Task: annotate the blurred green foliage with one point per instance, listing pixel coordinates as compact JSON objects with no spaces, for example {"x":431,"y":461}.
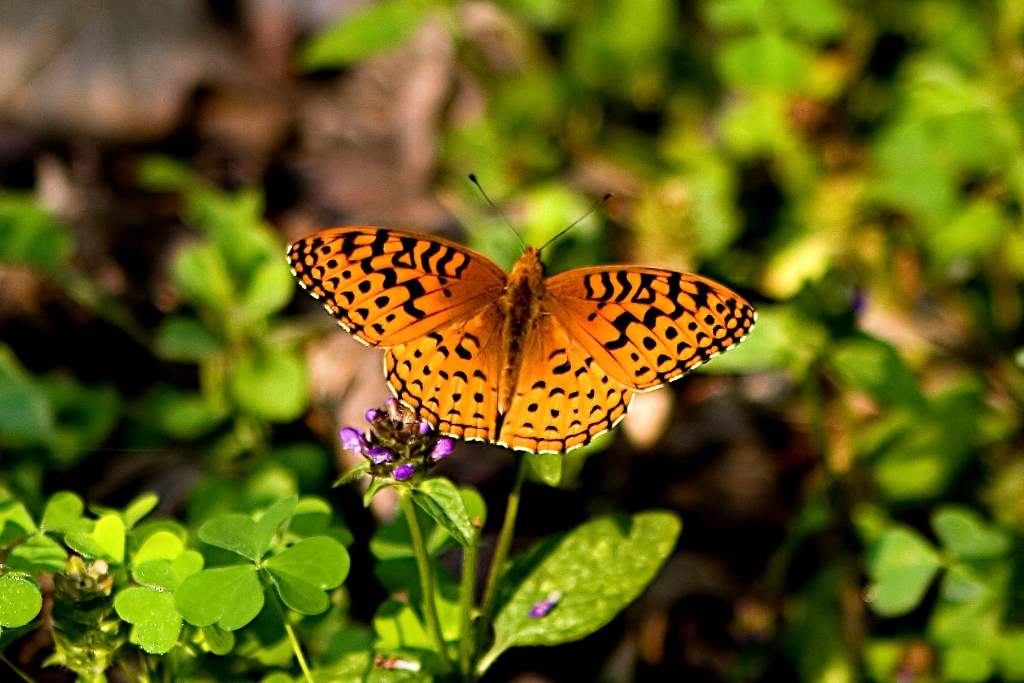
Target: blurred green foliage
{"x":855,"y":169}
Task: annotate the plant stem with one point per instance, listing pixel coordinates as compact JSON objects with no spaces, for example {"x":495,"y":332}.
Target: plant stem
{"x":21,"y":674}
{"x":501,"y":554}
{"x":298,"y":651}
{"x":426,"y":577}
{"x":467,"y":591}
{"x":296,"y":646}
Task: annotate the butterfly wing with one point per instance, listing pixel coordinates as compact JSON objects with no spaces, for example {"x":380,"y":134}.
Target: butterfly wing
{"x":450,"y":375}
{"x":563,"y":398}
{"x":389,"y":287}
{"x":645,"y":326}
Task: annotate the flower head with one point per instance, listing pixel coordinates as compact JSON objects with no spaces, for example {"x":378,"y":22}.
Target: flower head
{"x":398,"y":444}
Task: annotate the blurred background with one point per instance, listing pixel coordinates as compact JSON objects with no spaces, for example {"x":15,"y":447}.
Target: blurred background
{"x":851,"y":478}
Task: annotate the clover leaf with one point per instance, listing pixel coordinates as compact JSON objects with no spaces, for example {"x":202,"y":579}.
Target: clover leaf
{"x":20,"y":600}
{"x":901,"y":565}
{"x":229,"y":597}
{"x":241,"y":534}
{"x":304,"y":571}
{"x":105,"y":540}
{"x":966,"y":536}
{"x":155,"y":622}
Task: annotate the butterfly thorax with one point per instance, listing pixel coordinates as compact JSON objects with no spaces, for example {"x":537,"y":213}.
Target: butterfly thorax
{"x":521,"y":304}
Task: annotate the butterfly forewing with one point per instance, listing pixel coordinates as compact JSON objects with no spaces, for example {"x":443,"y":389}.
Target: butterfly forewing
{"x":450,"y":375}
{"x":563,"y":398}
{"x":389,"y":287}
{"x":644,"y":326}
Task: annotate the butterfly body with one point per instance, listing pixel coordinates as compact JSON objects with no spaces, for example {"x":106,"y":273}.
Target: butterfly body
{"x":528,"y":362}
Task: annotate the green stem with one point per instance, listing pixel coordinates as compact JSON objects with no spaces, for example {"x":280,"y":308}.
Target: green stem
{"x":501,"y":553}
{"x":426,"y":577}
{"x":298,"y":651}
{"x":21,"y":674}
{"x":467,"y":591}
{"x":296,"y":647}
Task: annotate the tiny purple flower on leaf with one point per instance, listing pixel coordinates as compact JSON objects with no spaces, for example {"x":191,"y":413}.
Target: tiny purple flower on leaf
{"x":371,"y":414}
{"x":379,"y":454}
{"x":403,"y":472}
{"x":442,"y":449}
{"x":544,"y":607}
{"x":424,"y":427}
{"x":352,"y":440}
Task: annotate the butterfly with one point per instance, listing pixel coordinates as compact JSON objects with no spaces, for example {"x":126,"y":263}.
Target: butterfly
{"x":530,"y":363}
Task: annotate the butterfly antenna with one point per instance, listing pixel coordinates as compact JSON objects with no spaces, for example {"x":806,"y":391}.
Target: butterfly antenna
{"x":494,"y":207}
{"x":572,"y":225}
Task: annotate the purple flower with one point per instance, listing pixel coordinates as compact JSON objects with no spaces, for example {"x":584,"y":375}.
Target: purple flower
{"x":544,"y":607}
{"x":352,"y":440}
{"x":442,"y":449}
{"x":379,"y":454}
{"x":371,"y":414}
{"x":424,"y":427}
{"x":403,"y":472}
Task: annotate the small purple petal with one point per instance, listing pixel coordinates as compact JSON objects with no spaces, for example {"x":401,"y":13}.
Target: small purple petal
{"x":541,"y":609}
{"x":424,"y":427}
{"x":371,"y":414}
{"x":394,"y":408}
{"x":379,"y":454}
{"x":544,"y":607}
{"x":442,"y":449}
{"x":351,"y":439}
{"x":403,"y":472}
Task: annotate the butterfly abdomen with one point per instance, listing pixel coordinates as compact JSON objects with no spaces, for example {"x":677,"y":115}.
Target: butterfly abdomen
{"x":521,"y":305}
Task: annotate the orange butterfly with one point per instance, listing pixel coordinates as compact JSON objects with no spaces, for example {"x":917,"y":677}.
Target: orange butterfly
{"x":535,"y":364}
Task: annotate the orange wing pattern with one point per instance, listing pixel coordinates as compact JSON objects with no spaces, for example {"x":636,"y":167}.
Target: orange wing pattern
{"x":450,"y":376}
{"x":389,"y":287}
{"x":563,"y":398}
{"x":644,"y":326}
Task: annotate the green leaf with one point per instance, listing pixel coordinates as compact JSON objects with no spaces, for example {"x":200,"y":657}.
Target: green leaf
{"x":305,"y":570}
{"x":439,"y":498}
{"x":14,"y":512}
{"x":156,"y":624}
{"x":217,"y":640}
{"x":168,"y":573}
{"x":37,"y":554}
{"x":162,"y":545}
{"x":63,"y":513}
{"x":229,"y":597}
{"x":962,"y":584}
{"x":312,"y":517}
{"x":186,"y":340}
{"x":269,"y":290}
{"x":966,"y":536}
{"x":353,"y":473}
{"x":765,"y":61}
{"x":26,"y":415}
{"x":20,"y":600}
{"x":240,"y":534}
{"x":202,"y":276}
{"x":902,"y":565}
{"x":966,"y":665}
{"x":598,"y":569}
{"x":377,"y":28}
{"x":271,"y":383}
{"x":185,"y":415}
{"x":876,"y":367}
{"x":393,"y":542}
{"x":139,"y":508}
{"x":29,"y":235}
{"x":105,"y":540}
{"x":545,"y":467}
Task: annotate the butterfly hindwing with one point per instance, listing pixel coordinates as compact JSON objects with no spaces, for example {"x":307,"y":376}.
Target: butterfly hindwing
{"x":563,"y":398}
{"x":389,"y":287}
{"x":450,"y":375}
{"x":645,"y":326}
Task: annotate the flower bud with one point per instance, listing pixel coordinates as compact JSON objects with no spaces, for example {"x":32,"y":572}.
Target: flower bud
{"x":442,"y":448}
{"x":403,"y":472}
{"x":352,"y":440}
